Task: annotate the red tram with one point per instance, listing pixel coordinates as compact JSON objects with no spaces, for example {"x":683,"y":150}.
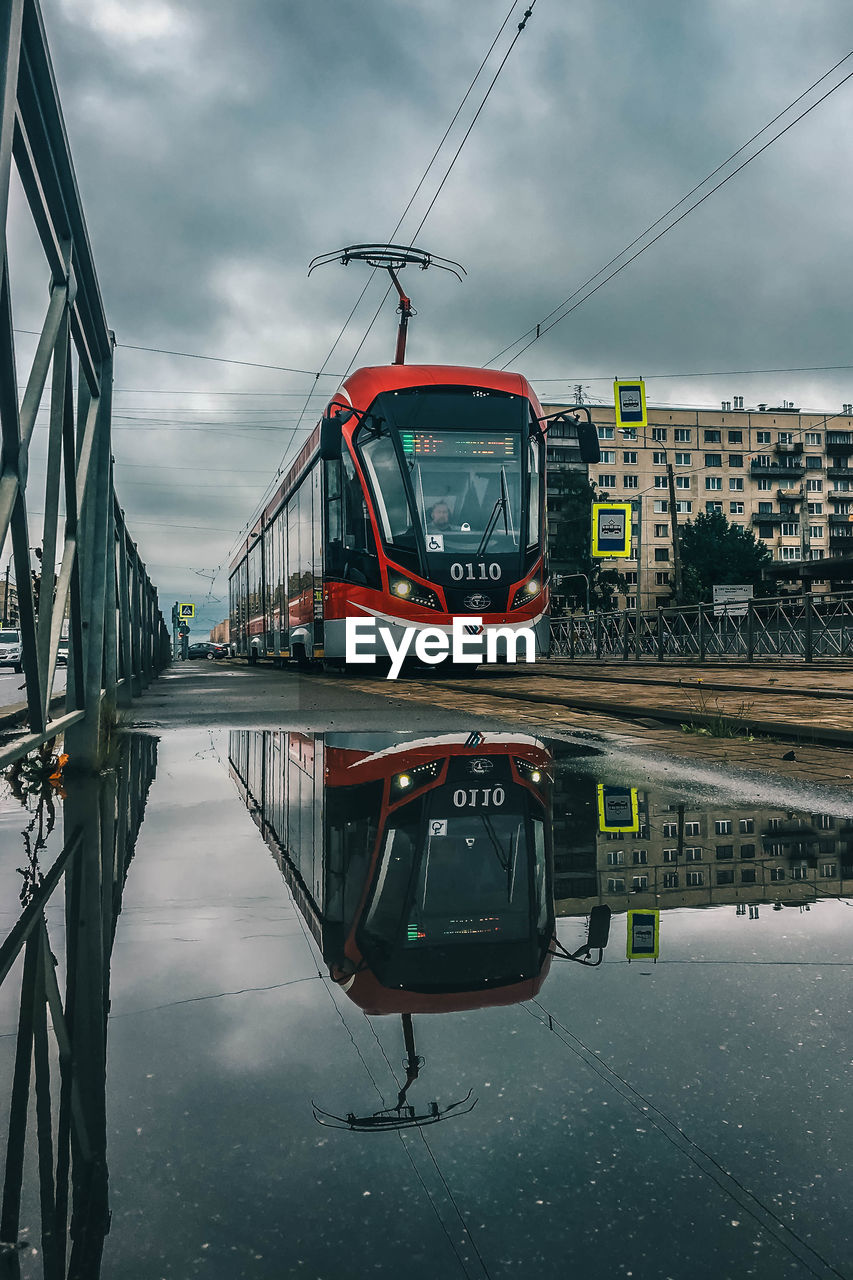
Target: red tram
{"x":419,"y":498}
{"x":422,"y":867}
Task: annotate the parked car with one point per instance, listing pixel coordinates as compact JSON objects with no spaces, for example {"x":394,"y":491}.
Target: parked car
{"x":207,"y":649}
{"x":10,"y":649}
{"x":62,"y":654}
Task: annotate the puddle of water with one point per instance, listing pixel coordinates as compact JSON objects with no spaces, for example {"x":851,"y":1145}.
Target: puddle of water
{"x":460,"y":1003}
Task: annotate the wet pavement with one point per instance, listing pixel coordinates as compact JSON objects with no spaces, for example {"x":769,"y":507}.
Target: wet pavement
{"x":345,"y":979}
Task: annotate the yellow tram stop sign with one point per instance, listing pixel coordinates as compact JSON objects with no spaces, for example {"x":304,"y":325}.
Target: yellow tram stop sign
{"x":611,"y":530}
{"x":618,"y":808}
{"x":629,"y":400}
{"x":643,"y":935}
{"x":186,"y":611}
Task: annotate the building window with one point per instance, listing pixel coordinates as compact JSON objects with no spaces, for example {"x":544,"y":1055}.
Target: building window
{"x":713,"y":459}
{"x":605,"y":433}
{"x":607,"y":482}
{"x":630,"y":482}
{"x":608,"y":457}
{"x":735,"y":459}
{"x":682,"y":435}
{"x":784,"y":437}
{"x":814,"y":437}
{"x":661,"y":482}
{"x":711,"y":507}
{"x":670,"y":855}
{"x":799,"y":873}
{"x":630,"y":578}
{"x":661,"y":530}
{"x":615,"y":858}
{"x":765,"y":508}
{"x":630,"y":602}
{"x":615,"y":885}
{"x":735,"y":437}
{"x":638,"y":883}
{"x":691,"y":828}
{"x":815,"y":530}
{"x":827,"y":870}
{"x":762,"y":437}
{"x":814,"y":486}
{"x":736,"y":508}
{"x":813,"y":462}
{"x":629,"y":433}
{"x":661,"y":506}
{"x":747,"y":875}
{"x":790,"y":528}
{"x":641,"y":857}
{"x":629,"y":457}
{"x":724,"y":852}
{"x":659,"y":434}
{"x":777,"y":874}
{"x":658,"y":458}
{"x":789,"y":553}
{"x":725,"y":875}
{"x":826,"y":822}
{"x":670,"y":829}
{"x":695,"y":878}
{"x":713,"y":482}
{"x":682,"y":482}
{"x":746,"y":825}
{"x":713,"y":436}
{"x":736,"y":484}
{"x":683,"y":459}
{"x":662,"y":555}
{"x":747,"y":851}
{"x":765,"y":485}
{"x":670,"y":879}
{"x":692,"y":854}
{"x":816,"y":508}
{"x":661,"y":579}
{"x":723,"y":827}
{"x":763,"y":460}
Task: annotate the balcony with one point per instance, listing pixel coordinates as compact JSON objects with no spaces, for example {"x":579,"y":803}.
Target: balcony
{"x":790,"y":470}
{"x":839,"y":473}
{"x":844,"y":447}
{"x":843,"y":519}
{"x":840,"y":495}
{"x":790,"y":494}
{"x":788,"y":449}
{"x":768,"y":517}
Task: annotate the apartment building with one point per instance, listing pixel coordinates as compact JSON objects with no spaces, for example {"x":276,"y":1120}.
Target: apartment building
{"x":785,"y":474}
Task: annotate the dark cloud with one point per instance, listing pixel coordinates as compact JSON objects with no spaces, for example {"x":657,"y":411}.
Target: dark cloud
{"x":219,"y":146}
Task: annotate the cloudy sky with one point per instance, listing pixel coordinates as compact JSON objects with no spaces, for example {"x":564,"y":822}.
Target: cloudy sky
{"x":221,"y":144}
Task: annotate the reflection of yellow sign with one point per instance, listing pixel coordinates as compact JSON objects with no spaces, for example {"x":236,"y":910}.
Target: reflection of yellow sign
{"x":611,"y":529}
{"x":629,"y":399}
{"x":643,"y":935}
{"x":186,"y":610}
{"x":618,"y":808}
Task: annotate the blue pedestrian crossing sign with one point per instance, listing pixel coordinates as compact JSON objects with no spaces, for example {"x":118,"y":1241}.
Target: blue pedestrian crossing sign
{"x":611,"y":530}
{"x":186,"y":611}
{"x":629,"y":399}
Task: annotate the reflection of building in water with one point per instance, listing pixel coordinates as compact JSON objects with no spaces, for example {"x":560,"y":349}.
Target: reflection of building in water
{"x":687,"y":856}
{"x":421,"y":867}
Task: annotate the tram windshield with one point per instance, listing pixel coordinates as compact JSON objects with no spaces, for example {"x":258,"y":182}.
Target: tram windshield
{"x":458,"y":902}
{"x":463,"y":451}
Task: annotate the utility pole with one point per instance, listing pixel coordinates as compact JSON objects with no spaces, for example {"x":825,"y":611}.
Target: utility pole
{"x":638,"y":506}
{"x":673,"y":525}
{"x":175,"y":629}
{"x":6,"y":594}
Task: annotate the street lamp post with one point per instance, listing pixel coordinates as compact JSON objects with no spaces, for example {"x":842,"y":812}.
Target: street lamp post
{"x":563,"y":576}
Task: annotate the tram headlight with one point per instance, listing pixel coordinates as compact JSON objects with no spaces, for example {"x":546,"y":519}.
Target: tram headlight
{"x":412,"y":592}
{"x":525,"y":594}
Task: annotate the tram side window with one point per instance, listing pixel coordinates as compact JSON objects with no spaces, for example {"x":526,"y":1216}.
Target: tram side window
{"x":534,"y":454}
{"x":255,"y":581}
{"x":389,"y":491}
{"x":360,"y":562}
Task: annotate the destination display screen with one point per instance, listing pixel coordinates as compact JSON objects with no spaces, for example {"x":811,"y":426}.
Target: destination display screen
{"x":450,"y":444}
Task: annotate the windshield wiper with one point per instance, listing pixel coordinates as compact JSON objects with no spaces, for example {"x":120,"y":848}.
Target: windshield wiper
{"x":501,"y":505}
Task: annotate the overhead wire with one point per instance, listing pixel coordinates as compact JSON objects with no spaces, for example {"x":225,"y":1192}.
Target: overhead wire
{"x":542,"y":327}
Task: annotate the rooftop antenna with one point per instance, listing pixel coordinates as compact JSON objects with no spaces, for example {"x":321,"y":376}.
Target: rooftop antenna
{"x":391,"y":258}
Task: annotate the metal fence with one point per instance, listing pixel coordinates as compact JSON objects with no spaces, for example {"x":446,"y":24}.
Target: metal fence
{"x":59,"y":1076}
{"x":805,"y":627}
{"x":116,"y":636}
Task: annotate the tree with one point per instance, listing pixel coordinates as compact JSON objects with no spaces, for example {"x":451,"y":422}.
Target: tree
{"x":714,"y":553}
{"x":571,"y":547}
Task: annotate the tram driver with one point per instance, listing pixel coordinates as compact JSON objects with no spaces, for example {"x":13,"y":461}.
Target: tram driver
{"x":438,"y":518}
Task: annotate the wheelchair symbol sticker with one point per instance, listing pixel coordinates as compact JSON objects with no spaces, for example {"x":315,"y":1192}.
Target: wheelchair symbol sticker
{"x":438,"y":827}
{"x":435,"y":542}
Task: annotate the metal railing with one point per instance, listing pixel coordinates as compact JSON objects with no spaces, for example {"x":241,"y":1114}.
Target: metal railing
{"x":117,"y":640}
{"x":61,"y":1039}
{"x":805,"y":627}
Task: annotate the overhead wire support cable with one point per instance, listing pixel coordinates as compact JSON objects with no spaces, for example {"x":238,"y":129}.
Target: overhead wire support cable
{"x":540,"y":329}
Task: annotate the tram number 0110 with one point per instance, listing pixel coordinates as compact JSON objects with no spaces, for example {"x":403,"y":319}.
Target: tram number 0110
{"x":479,"y":797}
{"x":475,"y":572}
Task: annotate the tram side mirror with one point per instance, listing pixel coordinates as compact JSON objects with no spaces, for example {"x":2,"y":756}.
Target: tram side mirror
{"x":330,"y":437}
{"x":588,"y":443}
{"x":599,"y":928}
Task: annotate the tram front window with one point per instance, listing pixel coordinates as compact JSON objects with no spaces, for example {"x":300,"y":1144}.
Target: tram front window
{"x":453,"y":902}
{"x":462,"y":451}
